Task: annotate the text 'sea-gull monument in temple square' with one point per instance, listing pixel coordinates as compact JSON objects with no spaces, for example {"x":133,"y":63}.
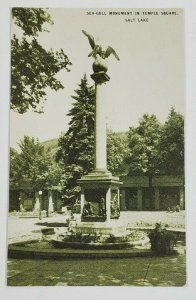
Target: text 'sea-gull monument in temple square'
{"x":99,"y":189}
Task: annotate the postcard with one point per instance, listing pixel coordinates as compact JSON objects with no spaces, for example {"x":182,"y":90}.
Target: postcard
{"x":97,"y":188}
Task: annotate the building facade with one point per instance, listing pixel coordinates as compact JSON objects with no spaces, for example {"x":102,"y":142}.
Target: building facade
{"x":166,"y":193}
{"x":26,"y":199}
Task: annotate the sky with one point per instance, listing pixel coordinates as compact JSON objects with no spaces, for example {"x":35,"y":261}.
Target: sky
{"x":149,"y":78}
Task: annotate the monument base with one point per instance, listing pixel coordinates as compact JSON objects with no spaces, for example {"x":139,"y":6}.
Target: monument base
{"x":99,"y":197}
{"x":111,"y":227}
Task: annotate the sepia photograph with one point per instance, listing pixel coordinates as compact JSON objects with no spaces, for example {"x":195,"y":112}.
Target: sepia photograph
{"x":96,"y":147}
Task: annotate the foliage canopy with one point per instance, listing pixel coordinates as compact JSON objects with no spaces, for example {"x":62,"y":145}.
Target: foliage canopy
{"x":76,"y":146}
{"x":171,"y":145}
{"x":34,"y":167}
{"x":33,"y":68}
{"x":143,"y":146}
{"x":156,"y":148}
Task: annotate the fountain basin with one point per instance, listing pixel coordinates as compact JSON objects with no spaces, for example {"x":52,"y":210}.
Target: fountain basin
{"x":98,"y":245}
{"x":60,"y":243}
{"x":42,"y":250}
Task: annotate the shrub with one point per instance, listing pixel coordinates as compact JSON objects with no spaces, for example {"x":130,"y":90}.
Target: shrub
{"x":161,"y":240}
{"x":111,"y":239}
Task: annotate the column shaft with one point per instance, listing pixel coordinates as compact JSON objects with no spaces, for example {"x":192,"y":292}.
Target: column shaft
{"x":108,"y":204}
{"x":82,"y":200}
{"x":182,"y":202}
{"x":157,"y":202}
{"x":139,"y":199}
{"x":100,"y":132}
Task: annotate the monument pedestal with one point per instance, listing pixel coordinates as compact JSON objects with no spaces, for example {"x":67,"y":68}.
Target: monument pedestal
{"x":100,"y":205}
{"x":111,"y":227}
{"x":99,"y":197}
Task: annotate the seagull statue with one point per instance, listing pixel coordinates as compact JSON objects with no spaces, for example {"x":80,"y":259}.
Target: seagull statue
{"x":98,"y":50}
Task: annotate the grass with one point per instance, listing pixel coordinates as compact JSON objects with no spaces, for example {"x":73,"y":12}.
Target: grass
{"x":148,"y":219}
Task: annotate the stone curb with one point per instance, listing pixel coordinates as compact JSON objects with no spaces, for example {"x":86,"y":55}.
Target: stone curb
{"x":17,"y":250}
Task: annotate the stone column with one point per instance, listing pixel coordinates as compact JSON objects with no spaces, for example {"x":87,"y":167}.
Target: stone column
{"x":50,"y":203}
{"x":21,"y":196}
{"x":37,"y":203}
{"x":108,"y":203}
{"x":100,"y":123}
{"x":118,"y":191}
{"x":181,"y":190}
{"x":82,"y":200}
{"x":100,"y":132}
{"x":157,"y":202}
{"x":139,"y":198}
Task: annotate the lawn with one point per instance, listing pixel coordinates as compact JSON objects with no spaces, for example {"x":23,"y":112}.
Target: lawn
{"x":146,"y":218}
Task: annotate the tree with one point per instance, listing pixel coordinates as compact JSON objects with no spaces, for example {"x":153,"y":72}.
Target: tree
{"x":76,"y":146}
{"x":14,"y":168}
{"x":143,"y":147}
{"x":116,"y":151}
{"x":33,"y":166}
{"x":33,"y":68}
{"x":171,"y":145}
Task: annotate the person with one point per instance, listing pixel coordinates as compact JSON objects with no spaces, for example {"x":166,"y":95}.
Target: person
{"x":71,"y":222}
{"x":22,"y":208}
{"x":87,"y":210}
{"x":102,"y":206}
{"x":40,"y":214}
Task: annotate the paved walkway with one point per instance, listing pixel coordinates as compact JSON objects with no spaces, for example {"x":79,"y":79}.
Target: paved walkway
{"x":24,"y":228}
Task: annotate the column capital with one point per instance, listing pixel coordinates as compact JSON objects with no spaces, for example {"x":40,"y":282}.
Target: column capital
{"x":100,"y":77}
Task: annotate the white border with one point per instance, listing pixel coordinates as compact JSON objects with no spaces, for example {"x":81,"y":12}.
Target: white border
{"x":187,"y":292}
